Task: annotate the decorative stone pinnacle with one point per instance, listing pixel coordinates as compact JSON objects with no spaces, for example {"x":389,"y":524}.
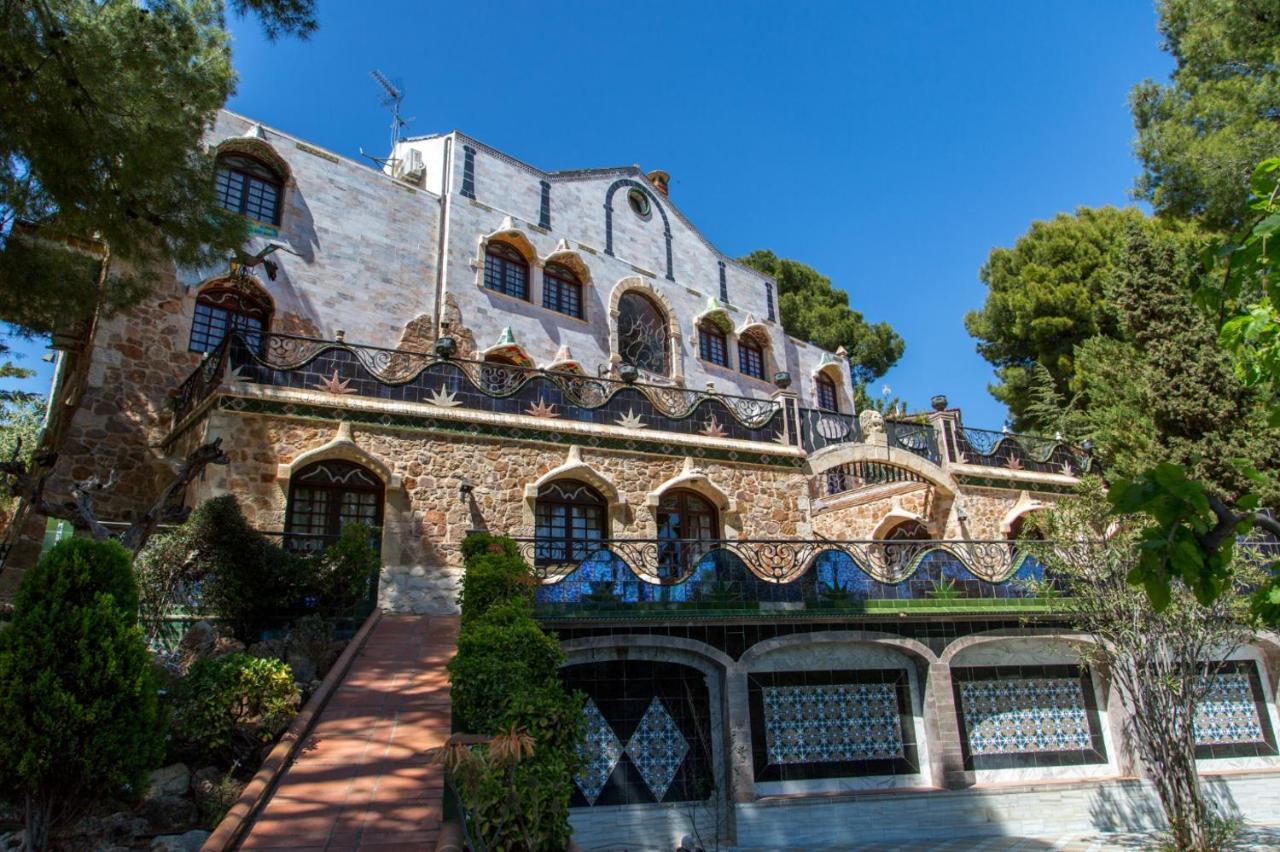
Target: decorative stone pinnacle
{"x":507,"y":338}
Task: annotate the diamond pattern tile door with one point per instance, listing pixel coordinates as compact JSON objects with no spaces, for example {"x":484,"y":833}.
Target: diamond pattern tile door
{"x":598,"y":752}
{"x":657,"y":748}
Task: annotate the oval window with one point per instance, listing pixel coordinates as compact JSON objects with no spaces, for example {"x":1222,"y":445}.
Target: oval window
{"x":639,"y":203}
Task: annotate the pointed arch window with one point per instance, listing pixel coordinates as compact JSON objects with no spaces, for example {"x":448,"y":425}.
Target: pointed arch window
{"x":826,"y":390}
{"x":221,"y":310}
{"x":561,"y":290}
{"x":505,"y":270}
{"x":643,"y":341}
{"x":568,"y":516}
{"x":249,"y":187}
{"x":751,"y":348}
{"x":325,"y":496}
{"x":713,"y":345}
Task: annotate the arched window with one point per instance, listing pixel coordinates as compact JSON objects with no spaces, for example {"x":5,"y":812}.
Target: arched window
{"x":324,"y":496}
{"x":249,"y":187}
{"x":685,"y":518}
{"x":908,"y":530}
{"x":223,"y":309}
{"x":751,"y":347}
{"x":712,"y":344}
{"x":506,"y":270}
{"x":1024,"y":527}
{"x":561,"y":290}
{"x":642,"y":334}
{"x":827,"y":399}
{"x":568,"y":515}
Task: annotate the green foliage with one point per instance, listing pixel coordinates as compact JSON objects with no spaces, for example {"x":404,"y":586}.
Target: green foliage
{"x":1200,"y":134}
{"x":476,"y":544}
{"x":492,"y":578}
{"x":1048,"y":294}
{"x":77,"y":693}
{"x":230,"y":707}
{"x":812,"y":309}
{"x":105,"y":105}
{"x":505,"y":684}
{"x":246,"y":579}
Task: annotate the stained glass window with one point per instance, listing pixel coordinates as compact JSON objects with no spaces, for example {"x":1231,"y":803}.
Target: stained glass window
{"x":642,"y":334}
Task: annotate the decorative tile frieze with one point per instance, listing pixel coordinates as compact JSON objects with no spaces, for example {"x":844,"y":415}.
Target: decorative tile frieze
{"x":1027,"y":716}
{"x":657,"y":748}
{"x":831,"y":724}
{"x":1232,"y":720}
{"x":598,"y":753}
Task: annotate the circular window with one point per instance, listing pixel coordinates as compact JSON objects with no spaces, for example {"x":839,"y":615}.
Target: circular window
{"x":639,"y":203}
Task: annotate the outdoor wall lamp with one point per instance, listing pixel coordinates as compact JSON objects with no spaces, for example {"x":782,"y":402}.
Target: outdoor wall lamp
{"x":464,"y":489}
{"x":961,"y":515}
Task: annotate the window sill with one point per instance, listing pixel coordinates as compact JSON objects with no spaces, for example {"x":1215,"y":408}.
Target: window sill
{"x":530,"y":304}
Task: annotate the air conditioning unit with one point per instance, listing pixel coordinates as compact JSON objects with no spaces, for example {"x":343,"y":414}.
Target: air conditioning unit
{"x":411,"y":168}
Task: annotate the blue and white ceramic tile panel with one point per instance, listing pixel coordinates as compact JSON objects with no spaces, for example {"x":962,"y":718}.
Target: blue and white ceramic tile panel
{"x":647,"y":733}
{"x":840,"y":722}
{"x":1015,"y":717}
{"x":598,"y":754}
{"x":657,"y":748}
{"x":1024,"y":715}
{"x":1233,"y":721}
{"x":831,"y":724}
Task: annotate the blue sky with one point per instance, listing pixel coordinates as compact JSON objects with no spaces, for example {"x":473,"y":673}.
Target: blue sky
{"x":890,"y":146}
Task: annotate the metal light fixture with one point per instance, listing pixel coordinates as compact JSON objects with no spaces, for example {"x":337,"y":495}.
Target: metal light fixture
{"x":464,"y":489}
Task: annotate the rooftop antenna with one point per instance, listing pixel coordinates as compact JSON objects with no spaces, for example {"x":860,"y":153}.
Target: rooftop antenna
{"x":394,"y":95}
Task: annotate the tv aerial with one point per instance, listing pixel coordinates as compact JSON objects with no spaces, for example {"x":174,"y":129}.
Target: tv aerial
{"x":393,"y":96}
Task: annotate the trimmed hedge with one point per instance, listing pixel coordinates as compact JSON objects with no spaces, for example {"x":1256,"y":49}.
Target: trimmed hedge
{"x":504,"y":678}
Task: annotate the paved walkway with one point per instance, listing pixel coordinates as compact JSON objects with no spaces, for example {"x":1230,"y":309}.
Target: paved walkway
{"x":1252,"y":838}
{"x":362,"y":780}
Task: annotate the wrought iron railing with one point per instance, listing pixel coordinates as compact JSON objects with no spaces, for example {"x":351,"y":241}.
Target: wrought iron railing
{"x":819,"y":429}
{"x":864,"y":474}
{"x":989,"y":448}
{"x":748,"y":573}
{"x":342,"y":368}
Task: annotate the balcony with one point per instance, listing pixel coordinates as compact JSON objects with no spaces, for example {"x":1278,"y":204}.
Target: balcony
{"x":663,"y":577}
{"x":534,"y":403}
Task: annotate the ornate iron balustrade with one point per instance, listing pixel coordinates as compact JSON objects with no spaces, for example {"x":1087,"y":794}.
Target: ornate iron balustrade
{"x":746,"y":573}
{"x":341,"y":369}
{"x":202,"y":382}
{"x":989,"y":448}
{"x":864,"y":474}
{"x":819,"y":429}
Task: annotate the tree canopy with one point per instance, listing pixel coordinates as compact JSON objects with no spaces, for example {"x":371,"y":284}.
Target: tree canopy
{"x":1200,"y":134}
{"x":812,"y":309}
{"x":105,"y":105}
{"x":1047,"y":295}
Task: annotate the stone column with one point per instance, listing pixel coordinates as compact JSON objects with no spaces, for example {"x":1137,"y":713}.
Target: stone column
{"x":942,"y":730}
{"x":741,"y":772}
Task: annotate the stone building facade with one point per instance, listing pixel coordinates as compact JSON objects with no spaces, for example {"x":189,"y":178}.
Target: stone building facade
{"x":772,"y":602}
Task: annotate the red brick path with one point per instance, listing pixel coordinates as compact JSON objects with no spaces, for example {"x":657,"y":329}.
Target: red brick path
{"x":361,"y":779}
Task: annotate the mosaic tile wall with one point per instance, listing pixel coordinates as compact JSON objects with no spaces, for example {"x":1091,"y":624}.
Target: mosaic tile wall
{"x":1016,"y":717}
{"x":647,"y":733}
{"x":831,"y":724}
{"x":1232,"y":721}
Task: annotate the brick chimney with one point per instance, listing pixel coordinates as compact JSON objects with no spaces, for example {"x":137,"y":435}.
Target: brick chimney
{"x":659,"y":179}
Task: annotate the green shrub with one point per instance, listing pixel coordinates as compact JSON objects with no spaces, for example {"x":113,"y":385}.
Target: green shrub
{"x":77,"y":693}
{"x":501,"y":653}
{"x":247,"y":580}
{"x":229,"y":707}
{"x":505,"y":682}
{"x":346,"y":568}
{"x":477,"y":544}
{"x":491,"y":579}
